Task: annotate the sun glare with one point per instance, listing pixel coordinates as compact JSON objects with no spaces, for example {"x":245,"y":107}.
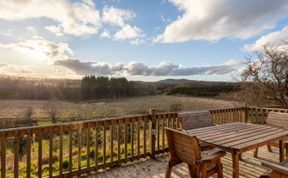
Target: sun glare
{"x":34,"y":54}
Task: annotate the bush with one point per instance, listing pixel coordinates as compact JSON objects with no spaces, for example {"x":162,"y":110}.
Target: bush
{"x":65,"y":164}
{"x":176,"y":107}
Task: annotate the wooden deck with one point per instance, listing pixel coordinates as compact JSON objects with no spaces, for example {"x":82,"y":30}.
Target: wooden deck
{"x":249,"y":167}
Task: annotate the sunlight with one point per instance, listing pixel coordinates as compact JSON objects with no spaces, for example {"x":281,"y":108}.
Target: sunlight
{"x":35,"y":54}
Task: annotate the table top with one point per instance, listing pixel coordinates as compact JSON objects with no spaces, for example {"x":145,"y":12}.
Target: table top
{"x":238,"y":136}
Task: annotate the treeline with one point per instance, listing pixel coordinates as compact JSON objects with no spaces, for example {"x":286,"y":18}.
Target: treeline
{"x":32,"y":89}
{"x":197,"y":88}
{"x":103,"y":87}
{"x":90,"y":87}
{"x":201,"y":91}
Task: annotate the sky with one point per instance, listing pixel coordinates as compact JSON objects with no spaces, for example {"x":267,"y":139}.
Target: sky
{"x":142,"y":40}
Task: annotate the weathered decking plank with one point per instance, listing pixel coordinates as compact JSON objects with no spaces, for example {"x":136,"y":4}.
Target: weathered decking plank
{"x":250,"y":167}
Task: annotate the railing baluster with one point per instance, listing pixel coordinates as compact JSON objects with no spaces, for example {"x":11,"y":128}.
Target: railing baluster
{"x":28,"y":159}
{"x":162,"y":132}
{"x":16,"y":155}
{"x":144,"y":135}
{"x":158,"y":133}
{"x":132,"y":137}
{"x":125,"y":140}
{"x":40,"y":138}
{"x":79,"y":145}
{"x":138,"y":137}
{"x":104,"y":145}
{"x":3,"y":155}
{"x":111,"y":143}
{"x":118,"y":141}
{"x":96,"y":145}
{"x":70,"y":150}
{"x":88,"y":147}
{"x":51,"y":152}
{"x":61,"y":151}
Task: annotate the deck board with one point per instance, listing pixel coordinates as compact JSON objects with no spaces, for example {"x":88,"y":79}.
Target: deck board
{"x":250,"y":167}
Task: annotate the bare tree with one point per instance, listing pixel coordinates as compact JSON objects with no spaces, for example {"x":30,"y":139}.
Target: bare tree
{"x":51,"y":108}
{"x":266,"y":78}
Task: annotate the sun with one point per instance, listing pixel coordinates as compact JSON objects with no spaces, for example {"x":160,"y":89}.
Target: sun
{"x":35,"y":54}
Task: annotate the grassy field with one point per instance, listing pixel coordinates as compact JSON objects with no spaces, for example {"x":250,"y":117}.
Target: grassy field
{"x":111,"y":108}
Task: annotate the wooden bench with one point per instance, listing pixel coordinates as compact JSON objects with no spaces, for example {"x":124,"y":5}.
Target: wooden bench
{"x":185,"y":148}
{"x":275,"y":119}
{"x":195,"y":120}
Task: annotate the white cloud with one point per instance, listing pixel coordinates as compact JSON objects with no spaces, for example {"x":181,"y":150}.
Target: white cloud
{"x":137,"y":41}
{"x":106,"y":34}
{"x":212,"y":20}
{"x":128,"y":32}
{"x":38,"y":48}
{"x":278,"y":38}
{"x":116,"y":16}
{"x":79,"y":18}
{"x":55,"y":29}
{"x":140,"y":69}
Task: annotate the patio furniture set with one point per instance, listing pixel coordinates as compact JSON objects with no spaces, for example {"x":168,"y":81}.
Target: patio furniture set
{"x":198,"y":135}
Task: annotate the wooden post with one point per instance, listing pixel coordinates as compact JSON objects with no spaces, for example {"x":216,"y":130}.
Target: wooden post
{"x":246,"y":113}
{"x":152,"y":128}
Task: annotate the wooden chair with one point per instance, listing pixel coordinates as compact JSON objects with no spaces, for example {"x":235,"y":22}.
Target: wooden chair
{"x":185,"y":148}
{"x":278,"y":170}
{"x":194,"y":120}
{"x":275,"y":119}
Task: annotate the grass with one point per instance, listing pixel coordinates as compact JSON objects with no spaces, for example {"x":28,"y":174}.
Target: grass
{"x":110,"y":108}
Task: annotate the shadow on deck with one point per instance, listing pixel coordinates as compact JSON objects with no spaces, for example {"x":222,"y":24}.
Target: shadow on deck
{"x":249,"y":167}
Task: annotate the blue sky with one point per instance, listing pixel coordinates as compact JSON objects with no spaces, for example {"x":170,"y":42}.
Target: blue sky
{"x":141,"y":40}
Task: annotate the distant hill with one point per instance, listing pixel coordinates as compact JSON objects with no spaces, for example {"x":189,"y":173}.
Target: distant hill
{"x":174,"y":81}
{"x":195,"y":88}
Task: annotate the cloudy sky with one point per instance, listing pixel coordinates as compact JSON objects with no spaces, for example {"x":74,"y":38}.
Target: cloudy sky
{"x":139,"y":39}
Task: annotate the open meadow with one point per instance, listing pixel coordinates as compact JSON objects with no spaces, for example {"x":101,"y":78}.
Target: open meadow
{"x":40,"y":109}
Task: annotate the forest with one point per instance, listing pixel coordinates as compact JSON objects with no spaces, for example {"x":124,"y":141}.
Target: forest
{"x":102,"y":87}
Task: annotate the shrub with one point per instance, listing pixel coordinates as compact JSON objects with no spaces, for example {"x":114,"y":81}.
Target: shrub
{"x":176,"y":107}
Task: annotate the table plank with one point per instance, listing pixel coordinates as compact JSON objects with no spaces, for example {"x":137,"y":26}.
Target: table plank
{"x":252,"y":137}
{"x":231,"y":137}
{"x":238,"y":132}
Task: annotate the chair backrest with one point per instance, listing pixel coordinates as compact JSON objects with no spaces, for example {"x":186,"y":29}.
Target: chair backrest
{"x":183,"y":147}
{"x":277,"y":119}
{"x":194,"y":120}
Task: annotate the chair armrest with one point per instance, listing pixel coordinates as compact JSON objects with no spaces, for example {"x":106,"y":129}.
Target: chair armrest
{"x":275,"y":167}
{"x":215,"y":156}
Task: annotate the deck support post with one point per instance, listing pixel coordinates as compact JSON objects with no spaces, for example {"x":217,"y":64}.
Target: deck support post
{"x":152,"y":128}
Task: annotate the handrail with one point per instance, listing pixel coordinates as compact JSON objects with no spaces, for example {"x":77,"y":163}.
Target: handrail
{"x":79,"y":147}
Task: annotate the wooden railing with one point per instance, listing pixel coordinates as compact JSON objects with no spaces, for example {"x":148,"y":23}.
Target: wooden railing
{"x":258,"y":115}
{"x":228,"y":115}
{"x":79,"y":148}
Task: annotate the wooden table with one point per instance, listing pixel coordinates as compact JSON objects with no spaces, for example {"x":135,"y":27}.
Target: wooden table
{"x":237,"y":138}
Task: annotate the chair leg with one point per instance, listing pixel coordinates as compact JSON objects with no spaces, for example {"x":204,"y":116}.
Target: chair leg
{"x":204,"y":169}
{"x":168,"y":171}
{"x":219,"y":170}
{"x":269,"y":148}
{"x":192,"y":171}
{"x":256,"y":153}
{"x":286,"y":150}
